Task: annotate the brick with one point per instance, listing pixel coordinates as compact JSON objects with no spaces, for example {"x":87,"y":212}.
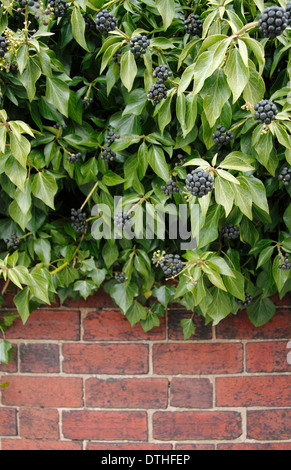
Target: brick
{"x":255,"y":446}
{"x":267,"y":356}
{"x":127,"y":446}
{"x":113,"y":326}
{"x":30,"y":444}
{"x":127,"y":393}
{"x":175,"y":331}
{"x":42,"y":358}
{"x":253,"y":391}
{"x":269,"y":424}
{"x":194,"y":447}
{"x":105,"y":425}
{"x":240,"y":327}
{"x":47,"y":324}
{"x":203,"y":358}
{"x":39,"y":423}
{"x":98,"y":300}
{"x":8,"y":425}
{"x":109,"y":358}
{"x":51,"y":392}
{"x":198,"y":425}
{"x":191,"y":393}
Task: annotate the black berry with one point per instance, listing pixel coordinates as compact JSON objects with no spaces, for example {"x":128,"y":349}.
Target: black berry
{"x":162,"y":73}
{"x":286,"y":262}
{"x":74,"y":158}
{"x":157,"y":92}
{"x":3,"y":46}
{"x":288,"y":14}
{"x":89,"y":23}
{"x":222,"y":137}
{"x":105,"y":21}
{"x":122,"y":219}
{"x":112,"y":137}
{"x":265,"y":111}
{"x":120,"y":277}
{"x":246,"y":302}
{"x":139,"y":44}
{"x":199,"y":182}
{"x":108,"y":155}
{"x":193,"y":25}
{"x":78,"y":220}
{"x":273,"y":21}
{"x":13,"y":242}
{"x":171,"y":265}
{"x":230,"y":231}
{"x":285,"y":176}
{"x":87,"y":101}
{"x":58,"y":7}
{"x":182,"y":159}
{"x":170,"y":188}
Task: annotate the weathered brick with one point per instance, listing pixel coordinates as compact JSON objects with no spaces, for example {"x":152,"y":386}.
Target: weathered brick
{"x":271,"y":390}
{"x":109,"y":358}
{"x":47,"y":324}
{"x":127,"y":446}
{"x":191,"y":393}
{"x":127,"y":393}
{"x":38,"y":444}
{"x":42,"y":358}
{"x":240,"y":327}
{"x":203,"y":358}
{"x":113,"y":326}
{"x":51,"y":392}
{"x":269,"y":424}
{"x":198,"y":425}
{"x":255,"y":446}
{"x":175,"y":331}
{"x":267,"y":356}
{"x":98,"y":300}
{"x":194,"y":447}
{"x":105,"y":425}
{"x":39,"y":423}
{"x":8,"y":425}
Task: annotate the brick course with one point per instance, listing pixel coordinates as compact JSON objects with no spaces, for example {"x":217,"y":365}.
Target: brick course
{"x":82,"y":378}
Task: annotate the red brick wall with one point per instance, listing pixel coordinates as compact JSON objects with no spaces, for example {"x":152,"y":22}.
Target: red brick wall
{"x":83,"y":378}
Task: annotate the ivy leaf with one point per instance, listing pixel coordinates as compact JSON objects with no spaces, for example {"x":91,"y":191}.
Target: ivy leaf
{"x":261,"y":310}
{"x":164,"y":294}
{"x":136,"y":313}
{"x":237,"y":73}
{"x":85,"y":288}
{"x":128,"y":69}
{"x":78,"y":27}
{"x":58,"y":94}
{"x":123,"y":295}
{"x":167,"y":11}
{"x":44,"y":187}
{"x":157,"y":161}
{"x":21,"y":301}
{"x":187,"y":327}
{"x":5,"y":351}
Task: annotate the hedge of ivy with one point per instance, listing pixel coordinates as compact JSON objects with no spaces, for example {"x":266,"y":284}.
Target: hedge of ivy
{"x":89,"y":116}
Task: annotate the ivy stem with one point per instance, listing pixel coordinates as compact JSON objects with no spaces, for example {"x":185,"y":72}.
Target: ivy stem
{"x":89,"y":195}
{"x":5,"y":287}
{"x":60,"y":268}
{"x":123,"y":34}
{"x":247,"y":27}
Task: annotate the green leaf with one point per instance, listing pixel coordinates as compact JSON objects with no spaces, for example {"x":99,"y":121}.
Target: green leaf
{"x":237,"y":73}
{"x":218,"y":93}
{"x":265,"y":255}
{"x":167,"y":11}
{"x":164,"y":294}
{"x":78,"y":27}
{"x":85,"y":288}
{"x":21,"y":301}
{"x":187,"y":327}
{"x":136,"y":313}
{"x":157,"y":161}
{"x":280,"y":276}
{"x":58,"y":94}
{"x":20,"y":148}
{"x":128,"y":69}
{"x":123,"y":295}
{"x":5,"y":350}
{"x":224,"y":194}
{"x":261,"y":310}
{"x":44,"y":187}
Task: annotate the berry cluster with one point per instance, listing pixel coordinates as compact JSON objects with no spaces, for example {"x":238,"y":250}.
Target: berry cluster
{"x":246,"y":302}
{"x":286,"y":262}
{"x":171,"y":265}
{"x":157,"y":92}
{"x":139,"y":44}
{"x":273,"y":21}
{"x":199,"y":182}
{"x":112,"y":137}
{"x":116,"y":56}
{"x":193,"y":25}
{"x":288,"y":13}
{"x":170,"y":188}
{"x":222,"y":137}
{"x":162,"y":73}
{"x":182,"y":159}
{"x":230,"y":231}
{"x":87,"y":101}
{"x":13,"y":242}
{"x":265,"y":111}
{"x":58,"y":7}
{"x":89,"y":23}
{"x":3,"y":46}
{"x":120,"y":277}
{"x":79,"y":222}
{"x":105,"y":21}
{"x":122,"y":219}
{"x":285,"y":176}
{"x":107,"y":154}
{"x":74,"y":158}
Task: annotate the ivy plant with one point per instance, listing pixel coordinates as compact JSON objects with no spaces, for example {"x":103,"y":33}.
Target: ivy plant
{"x":145,"y":149}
